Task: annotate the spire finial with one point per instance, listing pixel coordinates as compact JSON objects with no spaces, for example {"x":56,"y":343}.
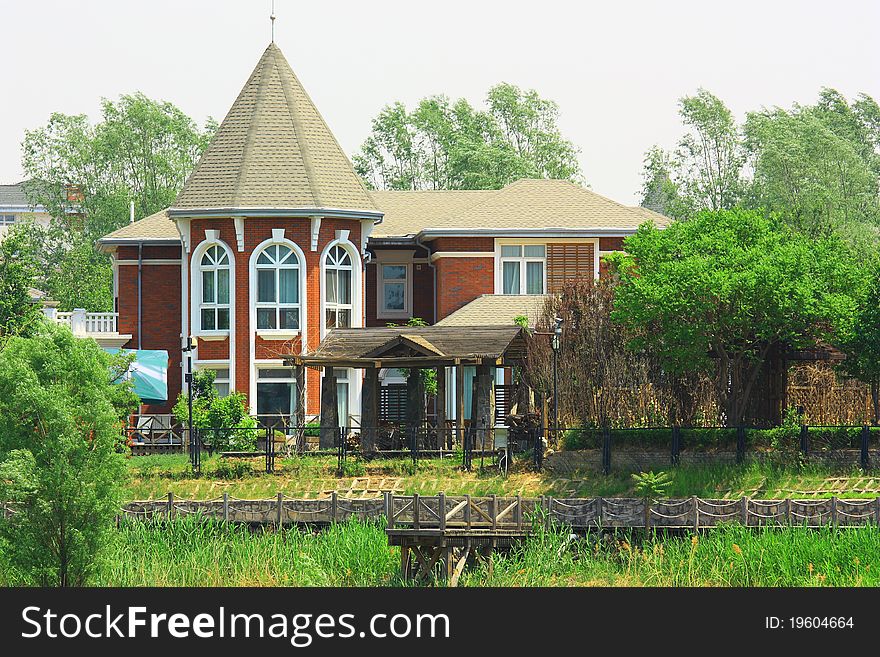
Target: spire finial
{"x":272,"y":21}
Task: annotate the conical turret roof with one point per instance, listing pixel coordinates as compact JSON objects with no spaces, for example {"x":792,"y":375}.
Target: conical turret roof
{"x":274,"y":151}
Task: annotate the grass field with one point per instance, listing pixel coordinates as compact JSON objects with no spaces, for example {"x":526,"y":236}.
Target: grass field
{"x":192,"y":553}
{"x":310,"y":476}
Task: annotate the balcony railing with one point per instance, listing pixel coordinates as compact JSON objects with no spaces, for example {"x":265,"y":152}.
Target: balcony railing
{"x":85,"y":323}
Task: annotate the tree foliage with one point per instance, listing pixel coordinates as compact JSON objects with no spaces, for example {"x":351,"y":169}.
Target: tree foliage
{"x":452,"y":145}
{"x":141,"y":151}
{"x":19,"y":315}
{"x":860,"y":340}
{"x":61,"y":462}
{"x":719,"y":292}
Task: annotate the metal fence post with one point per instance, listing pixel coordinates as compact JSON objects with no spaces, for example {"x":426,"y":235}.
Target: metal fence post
{"x":740,"y":444}
{"x":805,"y":440}
{"x":676,"y":444}
{"x":225,"y":507}
{"x":866,"y":436}
{"x":280,"y":508}
{"x":606,"y":450}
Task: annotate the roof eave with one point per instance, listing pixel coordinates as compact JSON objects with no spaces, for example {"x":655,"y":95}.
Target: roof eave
{"x":214,"y":213}
{"x":432,"y":233}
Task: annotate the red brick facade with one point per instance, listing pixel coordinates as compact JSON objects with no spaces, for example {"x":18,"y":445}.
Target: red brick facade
{"x":461,"y":280}
{"x":160,"y":309}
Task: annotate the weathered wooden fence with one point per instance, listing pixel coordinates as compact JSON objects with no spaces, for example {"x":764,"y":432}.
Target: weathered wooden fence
{"x":474,"y":514}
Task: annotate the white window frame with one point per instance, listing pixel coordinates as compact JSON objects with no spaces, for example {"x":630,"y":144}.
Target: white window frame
{"x":217,"y":365}
{"x":262,"y":365}
{"x":357,"y":288}
{"x":381,"y":311}
{"x":7,"y":219}
{"x":522,"y":260}
{"x":196,"y":290}
{"x":546,"y":242}
{"x":294,"y":262}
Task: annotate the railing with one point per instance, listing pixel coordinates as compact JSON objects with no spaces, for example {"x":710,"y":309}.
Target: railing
{"x":84,"y":323}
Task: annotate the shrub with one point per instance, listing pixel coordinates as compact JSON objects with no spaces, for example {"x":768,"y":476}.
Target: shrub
{"x":231,"y":428}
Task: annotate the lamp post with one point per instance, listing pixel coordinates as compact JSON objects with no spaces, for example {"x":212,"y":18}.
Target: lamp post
{"x":555,"y":344}
{"x":194,"y":455}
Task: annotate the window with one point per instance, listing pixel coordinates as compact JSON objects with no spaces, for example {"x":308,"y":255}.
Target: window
{"x":277,"y":288}
{"x":522,"y":268}
{"x":276,"y":391}
{"x":215,"y":290}
{"x":7,"y":219}
{"x":337,"y":288}
{"x":221,"y":380}
{"x":394,"y":295}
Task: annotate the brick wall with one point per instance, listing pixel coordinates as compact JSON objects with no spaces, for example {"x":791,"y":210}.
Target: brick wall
{"x":257,"y":230}
{"x":461,"y":280}
{"x":463,"y":244}
{"x":160,"y":311}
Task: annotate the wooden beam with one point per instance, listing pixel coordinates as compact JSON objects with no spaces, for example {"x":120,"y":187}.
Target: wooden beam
{"x":329,"y":411}
{"x":369,"y":410}
{"x":459,"y":404}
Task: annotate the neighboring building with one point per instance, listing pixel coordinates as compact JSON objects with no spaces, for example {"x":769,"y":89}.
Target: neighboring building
{"x":15,"y":208}
{"x":274,"y":241}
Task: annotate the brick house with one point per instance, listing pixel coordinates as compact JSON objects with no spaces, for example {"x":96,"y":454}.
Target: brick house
{"x":274,"y":241}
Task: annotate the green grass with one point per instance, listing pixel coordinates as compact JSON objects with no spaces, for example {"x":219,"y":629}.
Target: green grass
{"x":189,"y":552}
{"x":312,"y":476}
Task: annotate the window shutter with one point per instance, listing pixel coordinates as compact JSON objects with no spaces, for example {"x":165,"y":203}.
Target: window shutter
{"x":567,"y":263}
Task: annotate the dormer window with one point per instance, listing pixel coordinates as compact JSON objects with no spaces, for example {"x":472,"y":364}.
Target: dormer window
{"x":522,"y":268}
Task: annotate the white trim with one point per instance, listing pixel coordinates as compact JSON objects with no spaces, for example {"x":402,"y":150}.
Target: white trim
{"x":183,"y":229}
{"x":277,"y":238}
{"x":184,"y":304}
{"x":276,"y":334}
{"x":461,"y":254}
{"x":315,"y":231}
{"x":522,"y":260}
{"x":239,"y":233}
{"x":210,"y":363}
{"x":145,"y":263}
{"x":195,"y":291}
{"x":357,"y":289}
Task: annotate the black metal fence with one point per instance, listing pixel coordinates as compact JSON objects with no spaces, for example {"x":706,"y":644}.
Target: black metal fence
{"x":706,"y":445}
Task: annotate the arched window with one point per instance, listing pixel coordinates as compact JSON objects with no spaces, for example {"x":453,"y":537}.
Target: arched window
{"x":214,"y":307}
{"x":337,"y":288}
{"x":277,"y":288}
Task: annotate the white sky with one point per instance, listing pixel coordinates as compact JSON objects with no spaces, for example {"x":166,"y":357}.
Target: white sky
{"x":615,"y":68}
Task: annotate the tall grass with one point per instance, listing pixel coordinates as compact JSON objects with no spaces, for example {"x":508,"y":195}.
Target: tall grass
{"x":192,"y":552}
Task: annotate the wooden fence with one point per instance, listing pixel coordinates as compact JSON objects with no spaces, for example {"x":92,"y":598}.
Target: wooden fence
{"x":481,"y":514}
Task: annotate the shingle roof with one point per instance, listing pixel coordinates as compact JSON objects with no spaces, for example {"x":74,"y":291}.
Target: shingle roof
{"x":525,"y":205}
{"x":490,"y":341}
{"x":274,"y":150}
{"x":14,"y":196}
{"x":495,"y":309}
{"x":156,"y":227}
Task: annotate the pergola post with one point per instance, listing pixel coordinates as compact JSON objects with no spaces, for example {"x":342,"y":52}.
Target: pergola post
{"x":459,"y":404}
{"x":369,"y":409}
{"x":329,"y":411}
{"x":443,"y":441}
{"x":415,"y":399}
{"x":299,"y":412}
{"x":485,"y":397}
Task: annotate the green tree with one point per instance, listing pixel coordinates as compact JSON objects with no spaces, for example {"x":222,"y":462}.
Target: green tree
{"x":721,"y":292}
{"x":818,"y":166}
{"x":62,"y":466}
{"x":141,"y":151}
{"x":860,"y":341}
{"x":19,"y":315}
{"x":446,"y":145}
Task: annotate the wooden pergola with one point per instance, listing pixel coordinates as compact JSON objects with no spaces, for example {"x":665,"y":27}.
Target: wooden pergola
{"x":412,"y":348}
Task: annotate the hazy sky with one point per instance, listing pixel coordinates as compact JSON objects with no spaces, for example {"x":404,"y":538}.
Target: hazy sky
{"x":616,"y":68}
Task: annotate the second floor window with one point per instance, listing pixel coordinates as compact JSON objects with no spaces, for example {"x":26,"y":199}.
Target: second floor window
{"x":214,"y":307}
{"x":7,"y":219}
{"x":522,"y":268}
{"x":393,"y":284}
{"x":337,"y":288}
{"x":278,"y":288}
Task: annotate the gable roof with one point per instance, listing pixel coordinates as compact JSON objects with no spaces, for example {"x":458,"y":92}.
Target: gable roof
{"x":274,"y":151}
{"x":525,"y":205}
{"x":157,"y":227}
{"x":495,"y":309}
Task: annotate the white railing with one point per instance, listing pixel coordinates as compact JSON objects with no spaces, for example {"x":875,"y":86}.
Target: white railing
{"x":84,"y":323}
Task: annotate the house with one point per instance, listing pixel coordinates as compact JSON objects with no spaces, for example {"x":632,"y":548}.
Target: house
{"x":15,"y":208}
{"x":274,"y":241}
